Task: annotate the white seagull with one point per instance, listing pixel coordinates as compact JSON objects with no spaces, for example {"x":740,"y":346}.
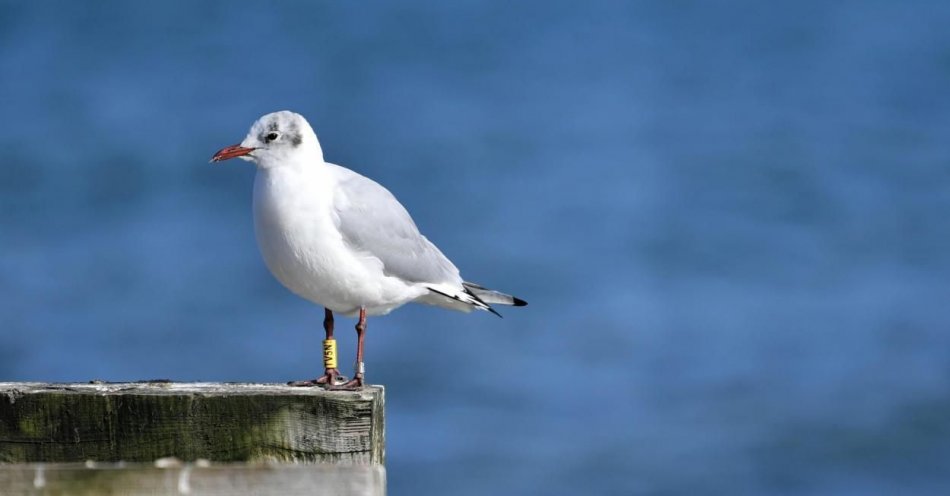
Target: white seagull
{"x":340,"y":239}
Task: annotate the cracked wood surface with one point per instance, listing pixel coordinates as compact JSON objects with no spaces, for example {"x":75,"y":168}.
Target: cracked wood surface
{"x":220,"y":422}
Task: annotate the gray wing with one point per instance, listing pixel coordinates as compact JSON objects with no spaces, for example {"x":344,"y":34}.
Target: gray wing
{"x":373,"y":222}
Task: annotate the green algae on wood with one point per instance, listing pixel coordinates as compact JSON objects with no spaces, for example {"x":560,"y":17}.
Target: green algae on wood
{"x":221,"y":422}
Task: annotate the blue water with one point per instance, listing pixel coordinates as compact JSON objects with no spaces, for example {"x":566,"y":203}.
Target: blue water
{"x":729,"y":219}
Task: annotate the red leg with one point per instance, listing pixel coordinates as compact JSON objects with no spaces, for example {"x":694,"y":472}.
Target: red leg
{"x":330,"y":376}
{"x":357,"y":381}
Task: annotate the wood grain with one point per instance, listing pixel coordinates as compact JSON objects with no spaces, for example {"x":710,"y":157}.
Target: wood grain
{"x":220,"y":422}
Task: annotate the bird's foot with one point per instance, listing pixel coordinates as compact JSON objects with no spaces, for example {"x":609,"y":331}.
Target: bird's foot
{"x":330,"y":379}
{"x":354,"y":384}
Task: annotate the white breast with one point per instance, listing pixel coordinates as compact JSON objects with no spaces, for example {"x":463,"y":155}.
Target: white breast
{"x":295,"y":224}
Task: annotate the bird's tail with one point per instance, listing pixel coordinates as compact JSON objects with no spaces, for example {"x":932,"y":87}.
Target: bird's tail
{"x":471,"y":296}
{"x":490,"y":296}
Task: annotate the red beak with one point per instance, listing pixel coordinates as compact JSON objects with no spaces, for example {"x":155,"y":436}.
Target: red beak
{"x":231,"y":152}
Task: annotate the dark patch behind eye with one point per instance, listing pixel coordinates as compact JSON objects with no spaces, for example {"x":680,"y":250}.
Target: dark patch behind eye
{"x":293,"y":132}
{"x":294,"y":135}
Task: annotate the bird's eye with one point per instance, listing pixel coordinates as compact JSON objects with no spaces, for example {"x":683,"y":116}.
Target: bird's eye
{"x":271,"y":136}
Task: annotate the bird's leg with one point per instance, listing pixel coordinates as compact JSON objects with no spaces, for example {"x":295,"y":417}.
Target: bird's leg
{"x":331,"y":376}
{"x":357,"y":381}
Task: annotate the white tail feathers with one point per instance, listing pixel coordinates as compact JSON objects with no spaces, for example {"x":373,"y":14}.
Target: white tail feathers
{"x":489,"y":296}
{"x":450,"y":297}
{"x":471,"y":296}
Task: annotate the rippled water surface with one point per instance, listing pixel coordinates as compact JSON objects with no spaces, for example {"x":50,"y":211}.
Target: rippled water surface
{"x":729,"y":219}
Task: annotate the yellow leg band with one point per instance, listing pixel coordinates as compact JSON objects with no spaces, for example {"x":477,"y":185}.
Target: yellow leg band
{"x":329,"y":353}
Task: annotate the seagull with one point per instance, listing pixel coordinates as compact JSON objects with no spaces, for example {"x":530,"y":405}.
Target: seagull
{"x":341,"y":240}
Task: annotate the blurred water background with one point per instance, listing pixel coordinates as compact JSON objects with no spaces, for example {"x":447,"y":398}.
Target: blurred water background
{"x":729,"y":219}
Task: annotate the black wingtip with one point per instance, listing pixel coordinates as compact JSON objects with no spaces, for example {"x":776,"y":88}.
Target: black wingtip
{"x":518,"y":302}
{"x":492,"y":310}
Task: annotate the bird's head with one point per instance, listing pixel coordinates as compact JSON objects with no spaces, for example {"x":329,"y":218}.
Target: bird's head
{"x":276,"y":139}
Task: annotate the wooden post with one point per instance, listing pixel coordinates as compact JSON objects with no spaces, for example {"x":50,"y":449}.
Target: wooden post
{"x":142,"y":422}
{"x":283,"y":479}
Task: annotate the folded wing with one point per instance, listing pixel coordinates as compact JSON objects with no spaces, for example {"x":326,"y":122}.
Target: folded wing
{"x":374,"y":223}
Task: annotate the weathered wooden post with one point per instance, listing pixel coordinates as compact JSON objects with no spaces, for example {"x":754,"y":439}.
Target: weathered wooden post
{"x":193,"y":428}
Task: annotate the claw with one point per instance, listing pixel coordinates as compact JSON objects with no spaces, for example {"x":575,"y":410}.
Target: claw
{"x":330,"y":379}
{"x":354,"y":384}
